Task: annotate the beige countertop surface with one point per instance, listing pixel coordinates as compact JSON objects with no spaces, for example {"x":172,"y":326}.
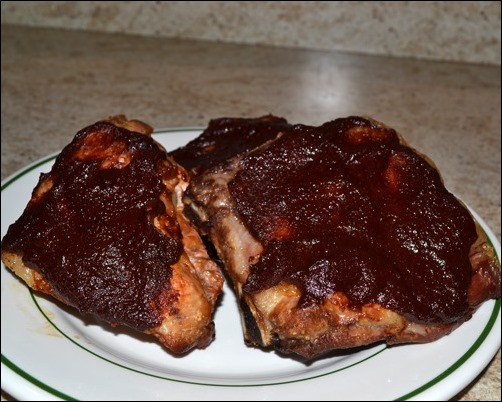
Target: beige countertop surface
{"x":55,"y":82}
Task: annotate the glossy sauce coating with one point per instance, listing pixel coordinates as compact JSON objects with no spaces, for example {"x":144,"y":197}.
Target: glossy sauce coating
{"x":227,"y":137}
{"x":345,"y":207}
{"x":92,"y":234}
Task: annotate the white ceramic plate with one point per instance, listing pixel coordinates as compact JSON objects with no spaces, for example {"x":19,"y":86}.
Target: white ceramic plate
{"x":51,"y":353}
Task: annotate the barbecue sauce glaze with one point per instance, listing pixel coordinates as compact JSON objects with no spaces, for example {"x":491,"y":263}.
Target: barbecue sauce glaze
{"x":346,"y":208}
{"x":92,"y":235}
{"x":225,"y":138}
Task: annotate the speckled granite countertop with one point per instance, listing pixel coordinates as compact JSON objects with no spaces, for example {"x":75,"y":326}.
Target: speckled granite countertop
{"x":55,"y":82}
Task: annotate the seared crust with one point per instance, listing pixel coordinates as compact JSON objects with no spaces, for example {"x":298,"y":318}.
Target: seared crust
{"x":185,"y":302}
{"x":275,"y":316}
